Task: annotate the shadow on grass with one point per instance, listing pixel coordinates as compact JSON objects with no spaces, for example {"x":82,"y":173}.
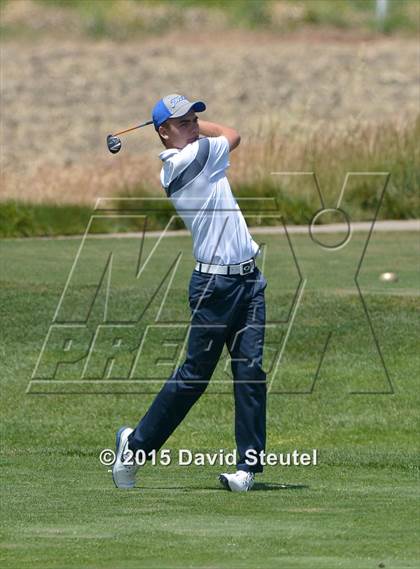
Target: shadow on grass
{"x":267,"y":486}
{"x":258,"y":486}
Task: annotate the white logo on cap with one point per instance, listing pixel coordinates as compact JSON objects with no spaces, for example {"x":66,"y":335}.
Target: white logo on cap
{"x":173,"y":102}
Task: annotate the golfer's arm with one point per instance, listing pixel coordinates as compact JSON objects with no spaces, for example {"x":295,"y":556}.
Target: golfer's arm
{"x":213,"y":129}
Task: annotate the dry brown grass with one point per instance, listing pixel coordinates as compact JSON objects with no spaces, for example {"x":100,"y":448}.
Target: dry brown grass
{"x":81,"y":183}
{"x":60,"y":99}
{"x":324,"y":146}
{"x":328,"y":150}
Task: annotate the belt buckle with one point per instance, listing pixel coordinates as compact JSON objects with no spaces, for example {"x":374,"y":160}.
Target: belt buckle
{"x":245,"y":268}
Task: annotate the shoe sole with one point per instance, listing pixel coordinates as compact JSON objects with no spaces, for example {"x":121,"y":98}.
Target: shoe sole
{"x":117,"y":444}
{"x":224,"y":482}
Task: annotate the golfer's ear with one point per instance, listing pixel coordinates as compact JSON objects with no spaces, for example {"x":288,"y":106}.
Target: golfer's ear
{"x":163,"y":133}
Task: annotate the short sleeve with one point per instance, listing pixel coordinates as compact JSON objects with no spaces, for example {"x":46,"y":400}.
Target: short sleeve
{"x":174,"y":165}
{"x":166,"y":174}
{"x":218,"y":155}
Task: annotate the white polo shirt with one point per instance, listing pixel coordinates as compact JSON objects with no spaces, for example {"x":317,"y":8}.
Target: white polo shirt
{"x":194,"y":178}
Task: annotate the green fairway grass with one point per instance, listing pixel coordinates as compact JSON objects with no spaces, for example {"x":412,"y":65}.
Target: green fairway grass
{"x":356,"y":509}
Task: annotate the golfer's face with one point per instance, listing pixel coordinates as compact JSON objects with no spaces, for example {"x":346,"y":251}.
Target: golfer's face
{"x":183,"y":130}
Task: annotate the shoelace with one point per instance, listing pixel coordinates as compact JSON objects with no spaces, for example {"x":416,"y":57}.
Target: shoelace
{"x":125,"y":455}
{"x":248,"y":478}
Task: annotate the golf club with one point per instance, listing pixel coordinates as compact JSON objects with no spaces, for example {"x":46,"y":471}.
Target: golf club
{"x":114,"y":143}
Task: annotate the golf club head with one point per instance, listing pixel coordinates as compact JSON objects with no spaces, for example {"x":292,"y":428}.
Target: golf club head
{"x":114,"y":143}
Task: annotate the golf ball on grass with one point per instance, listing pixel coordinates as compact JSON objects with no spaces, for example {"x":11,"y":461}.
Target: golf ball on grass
{"x":388,"y":277}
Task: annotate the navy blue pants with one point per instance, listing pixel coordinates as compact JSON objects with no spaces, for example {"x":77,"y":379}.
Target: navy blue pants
{"x":225,"y":310}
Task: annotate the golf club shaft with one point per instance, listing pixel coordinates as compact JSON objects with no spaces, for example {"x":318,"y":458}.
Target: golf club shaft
{"x":132,"y":128}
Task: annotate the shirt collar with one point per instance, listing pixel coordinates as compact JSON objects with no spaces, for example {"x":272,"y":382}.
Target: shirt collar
{"x":168,"y":153}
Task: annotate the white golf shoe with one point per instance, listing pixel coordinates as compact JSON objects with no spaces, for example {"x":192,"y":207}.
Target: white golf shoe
{"x":240,"y":481}
{"x":124,"y":475}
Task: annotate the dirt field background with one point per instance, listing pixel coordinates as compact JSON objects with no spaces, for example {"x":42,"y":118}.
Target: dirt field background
{"x":61,"y":98}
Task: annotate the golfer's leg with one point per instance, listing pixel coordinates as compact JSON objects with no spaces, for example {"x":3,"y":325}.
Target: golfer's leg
{"x":183,"y":388}
{"x":245,"y":345}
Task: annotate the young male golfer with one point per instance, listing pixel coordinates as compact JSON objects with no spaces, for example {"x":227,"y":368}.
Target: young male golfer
{"x":226,"y":294}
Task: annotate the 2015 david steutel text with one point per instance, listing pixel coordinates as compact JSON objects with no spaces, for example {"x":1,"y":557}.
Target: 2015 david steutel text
{"x":187,"y":457}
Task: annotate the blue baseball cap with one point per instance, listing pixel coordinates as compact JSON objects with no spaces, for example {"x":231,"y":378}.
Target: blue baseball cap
{"x":174,"y":106}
